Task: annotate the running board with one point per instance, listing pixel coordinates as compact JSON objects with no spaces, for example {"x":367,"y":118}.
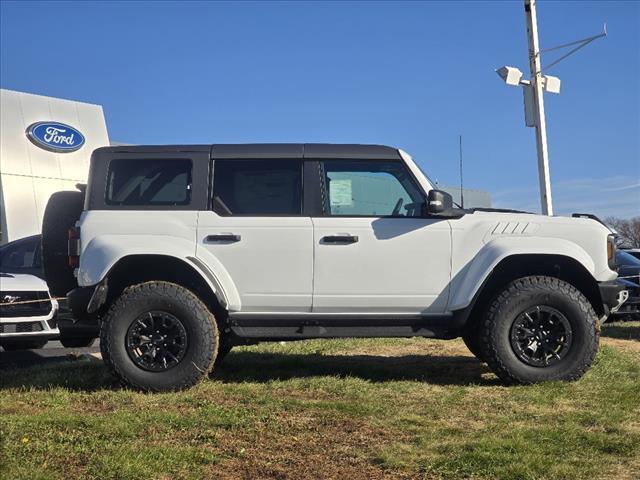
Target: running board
{"x":290,"y":327}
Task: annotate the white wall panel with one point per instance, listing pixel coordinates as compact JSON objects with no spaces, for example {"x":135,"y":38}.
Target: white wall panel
{"x":31,"y":174}
{"x":91,"y":118}
{"x":13,"y":150}
{"x":20,"y":206}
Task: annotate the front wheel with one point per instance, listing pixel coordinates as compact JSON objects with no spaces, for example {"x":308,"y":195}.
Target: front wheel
{"x":158,"y":336}
{"x":539,"y":329}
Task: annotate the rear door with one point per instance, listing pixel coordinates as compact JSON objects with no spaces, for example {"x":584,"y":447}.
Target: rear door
{"x":374,"y":252}
{"x":257,"y":230}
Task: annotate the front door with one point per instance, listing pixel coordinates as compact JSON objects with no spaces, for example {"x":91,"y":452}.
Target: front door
{"x":256,"y":230}
{"x":374,"y":252}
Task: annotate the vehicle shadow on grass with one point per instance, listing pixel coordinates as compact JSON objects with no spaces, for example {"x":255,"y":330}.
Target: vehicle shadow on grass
{"x":75,"y":375}
{"x":265,"y":367}
{"x":622,"y":331}
{"x":437,"y":370}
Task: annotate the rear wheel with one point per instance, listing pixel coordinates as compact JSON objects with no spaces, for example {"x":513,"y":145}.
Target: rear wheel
{"x":158,"y":336}
{"x":539,"y":329}
{"x":11,"y":345}
{"x":61,"y":213}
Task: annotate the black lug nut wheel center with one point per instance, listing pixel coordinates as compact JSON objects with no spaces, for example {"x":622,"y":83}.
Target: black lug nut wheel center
{"x":541,"y":336}
{"x":156,"y":341}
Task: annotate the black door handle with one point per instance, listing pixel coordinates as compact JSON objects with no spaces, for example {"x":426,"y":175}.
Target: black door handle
{"x":223,"y":237}
{"x":340,"y":239}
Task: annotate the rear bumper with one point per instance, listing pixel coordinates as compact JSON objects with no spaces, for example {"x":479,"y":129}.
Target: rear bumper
{"x":81,"y":323}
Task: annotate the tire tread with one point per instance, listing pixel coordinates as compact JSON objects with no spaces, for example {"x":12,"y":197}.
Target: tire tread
{"x":534,"y":284}
{"x":178,"y":294}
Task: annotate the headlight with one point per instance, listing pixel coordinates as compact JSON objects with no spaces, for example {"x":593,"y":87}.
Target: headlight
{"x":611,"y":252}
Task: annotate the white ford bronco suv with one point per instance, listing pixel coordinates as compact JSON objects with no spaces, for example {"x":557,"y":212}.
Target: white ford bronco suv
{"x":179,"y":253}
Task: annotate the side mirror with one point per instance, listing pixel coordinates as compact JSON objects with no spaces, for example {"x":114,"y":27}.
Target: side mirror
{"x":438,"y":203}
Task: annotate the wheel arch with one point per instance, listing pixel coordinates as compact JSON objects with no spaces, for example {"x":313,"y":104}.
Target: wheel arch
{"x":510,"y":268}
{"x":102,"y":255}
{"x":139,"y":268}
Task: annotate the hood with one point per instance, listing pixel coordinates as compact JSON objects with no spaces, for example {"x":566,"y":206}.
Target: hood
{"x":11,"y":282}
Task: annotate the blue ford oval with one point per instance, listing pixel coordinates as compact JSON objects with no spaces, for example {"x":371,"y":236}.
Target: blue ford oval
{"x":55,"y":136}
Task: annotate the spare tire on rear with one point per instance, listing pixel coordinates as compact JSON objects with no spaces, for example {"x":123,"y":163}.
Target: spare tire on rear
{"x":62,"y":212}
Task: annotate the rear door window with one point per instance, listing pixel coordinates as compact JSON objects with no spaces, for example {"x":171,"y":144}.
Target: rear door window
{"x":257,"y":187}
{"x":149,"y":182}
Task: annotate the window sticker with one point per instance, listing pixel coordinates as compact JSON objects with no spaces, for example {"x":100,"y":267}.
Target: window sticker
{"x":340,"y":193}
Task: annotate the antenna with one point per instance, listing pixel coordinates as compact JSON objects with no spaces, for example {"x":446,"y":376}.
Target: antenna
{"x":461,"y":190}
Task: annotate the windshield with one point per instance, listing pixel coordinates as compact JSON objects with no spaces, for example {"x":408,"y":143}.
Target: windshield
{"x":624,"y":258}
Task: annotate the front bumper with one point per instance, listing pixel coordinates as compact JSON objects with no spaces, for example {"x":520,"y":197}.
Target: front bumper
{"x":613,"y":295}
{"x":41,"y":326}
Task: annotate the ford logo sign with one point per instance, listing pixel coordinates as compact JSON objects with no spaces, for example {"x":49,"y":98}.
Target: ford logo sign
{"x":55,"y":137}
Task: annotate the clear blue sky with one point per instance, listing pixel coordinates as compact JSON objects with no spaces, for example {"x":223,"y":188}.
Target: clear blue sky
{"x":413,"y":75}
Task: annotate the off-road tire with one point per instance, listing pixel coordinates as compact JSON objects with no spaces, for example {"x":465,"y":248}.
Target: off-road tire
{"x":79,"y":342}
{"x":14,"y":344}
{"x":528,"y":292}
{"x":198,"y":321}
{"x":62,"y":212}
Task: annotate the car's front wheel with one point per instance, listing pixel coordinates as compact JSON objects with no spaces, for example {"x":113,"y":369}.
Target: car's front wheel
{"x":539,"y":329}
{"x":159,"y":336}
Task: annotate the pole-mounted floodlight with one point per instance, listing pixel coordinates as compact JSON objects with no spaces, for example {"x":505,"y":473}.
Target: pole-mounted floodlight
{"x":510,"y":75}
{"x":533,"y":97}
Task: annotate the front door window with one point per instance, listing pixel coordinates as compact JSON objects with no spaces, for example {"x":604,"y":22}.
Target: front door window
{"x":370,"y":188}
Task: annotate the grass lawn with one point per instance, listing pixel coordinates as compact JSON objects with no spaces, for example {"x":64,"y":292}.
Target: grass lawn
{"x":348,"y":409}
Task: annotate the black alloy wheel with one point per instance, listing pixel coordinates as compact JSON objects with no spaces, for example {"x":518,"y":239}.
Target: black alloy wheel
{"x":541,"y":336}
{"x":156,"y":341}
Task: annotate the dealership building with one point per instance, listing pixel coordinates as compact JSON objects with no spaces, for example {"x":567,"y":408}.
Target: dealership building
{"x":45,"y":147}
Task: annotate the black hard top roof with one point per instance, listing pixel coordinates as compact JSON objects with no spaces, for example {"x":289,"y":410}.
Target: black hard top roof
{"x":269,"y":150}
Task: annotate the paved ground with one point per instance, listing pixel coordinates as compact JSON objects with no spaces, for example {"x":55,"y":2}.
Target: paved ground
{"x":52,"y":352}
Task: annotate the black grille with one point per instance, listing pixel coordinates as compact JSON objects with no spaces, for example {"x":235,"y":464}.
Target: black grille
{"x":10,"y":304}
{"x":22,"y":327}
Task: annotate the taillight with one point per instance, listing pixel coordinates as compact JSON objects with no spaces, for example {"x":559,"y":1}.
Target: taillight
{"x":73,"y":248}
{"x":611,"y":252}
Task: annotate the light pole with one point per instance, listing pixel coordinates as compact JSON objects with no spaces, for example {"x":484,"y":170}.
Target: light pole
{"x":538,"y":107}
{"x":533,"y":96}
